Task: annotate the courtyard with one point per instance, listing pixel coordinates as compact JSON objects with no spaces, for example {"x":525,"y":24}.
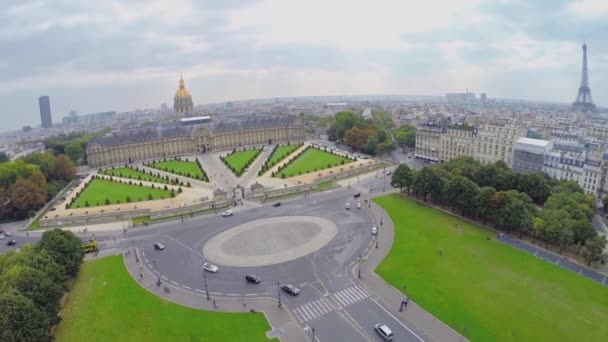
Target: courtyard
{"x":239,"y":160}
{"x":100,"y":190}
{"x":466,"y":278}
{"x":127,"y":172}
{"x":313,"y":159}
{"x":185,"y":168}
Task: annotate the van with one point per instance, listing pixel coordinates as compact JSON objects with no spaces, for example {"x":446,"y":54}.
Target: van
{"x":384,"y":331}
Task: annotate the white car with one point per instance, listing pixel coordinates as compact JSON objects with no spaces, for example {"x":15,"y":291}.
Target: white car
{"x":227,"y":213}
{"x":358,"y":205}
{"x":374,"y":230}
{"x":210,"y":267}
{"x":1,"y":236}
{"x":347,"y":206}
{"x":7,"y":234}
{"x":384,"y":331}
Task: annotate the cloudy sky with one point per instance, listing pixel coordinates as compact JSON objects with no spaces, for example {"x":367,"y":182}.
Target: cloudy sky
{"x":121,"y":55}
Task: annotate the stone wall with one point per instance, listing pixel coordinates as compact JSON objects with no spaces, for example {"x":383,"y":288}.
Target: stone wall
{"x":95,"y":218}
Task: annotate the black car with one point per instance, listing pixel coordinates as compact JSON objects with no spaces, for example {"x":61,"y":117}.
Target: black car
{"x":252,"y":278}
{"x":159,"y":246}
{"x":11,"y":243}
{"x":278,"y":204}
{"x":292,"y":290}
{"x":357,"y":195}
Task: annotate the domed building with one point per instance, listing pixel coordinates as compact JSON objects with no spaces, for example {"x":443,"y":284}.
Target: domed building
{"x":182,"y":102}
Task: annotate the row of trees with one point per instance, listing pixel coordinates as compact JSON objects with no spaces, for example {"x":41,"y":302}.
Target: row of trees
{"x":370,"y":136}
{"x":26,"y":184}
{"x":564,"y":220}
{"x":405,"y":136}
{"x":248,"y":163}
{"x":268,"y":165}
{"x":73,"y":144}
{"x":165,"y":179}
{"x":32,"y":281}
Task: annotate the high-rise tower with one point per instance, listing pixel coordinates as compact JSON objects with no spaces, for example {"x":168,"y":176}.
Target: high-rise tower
{"x":584,"y":101}
{"x":45,"y":112}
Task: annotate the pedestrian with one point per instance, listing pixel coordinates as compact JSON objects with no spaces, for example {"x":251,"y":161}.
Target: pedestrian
{"x":214,"y":305}
{"x":141,"y":276}
{"x":441,"y":252}
{"x":244,"y":304}
{"x":407,"y":301}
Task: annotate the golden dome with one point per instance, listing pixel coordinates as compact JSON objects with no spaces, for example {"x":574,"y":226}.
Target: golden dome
{"x":182,"y":92}
{"x":182,"y":103}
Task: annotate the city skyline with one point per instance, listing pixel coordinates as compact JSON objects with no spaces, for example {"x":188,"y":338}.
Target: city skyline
{"x":129,"y":55}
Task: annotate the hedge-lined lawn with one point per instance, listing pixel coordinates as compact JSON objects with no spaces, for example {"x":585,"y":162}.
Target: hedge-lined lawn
{"x":106,"y":304}
{"x":498,"y":292}
{"x":125,"y":172}
{"x":239,"y":159}
{"x":99,"y":190}
{"x":183,"y":166}
{"x":281,"y":152}
{"x":310,"y":160}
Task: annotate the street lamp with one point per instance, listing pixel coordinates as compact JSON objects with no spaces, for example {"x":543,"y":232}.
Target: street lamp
{"x":158,"y":282}
{"x":279,"y":292}
{"x":359,"y":268}
{"x":205,"y":284}
{"x":313,"y":334}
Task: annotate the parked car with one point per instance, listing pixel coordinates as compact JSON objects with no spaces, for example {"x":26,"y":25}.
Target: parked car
{"x":53,"y":209}
{"x":11,"y":243}
{"x":358,"y":205}
{"x":252,"y":278}
{"x":384,"y":331}
{"x":159,"y":246}
{"x":357,"y":195}
{"x":374,"y":230}
{"x":2,"y":236}
{"x":210,"y":267}
{"x":292,"y":290}
{"x":278,"y":204}
{"x":389,"y":172}
{"x":7,"y":234}
{"x":347,"y":206}
{"x":227,"y":213}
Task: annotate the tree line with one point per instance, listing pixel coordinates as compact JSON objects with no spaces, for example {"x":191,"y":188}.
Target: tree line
{"x":73,"y":144}
{"x":32,"y":281}
{"x":557,"y":213}
{"x":369,"y":136}
{"x":27,"y":183}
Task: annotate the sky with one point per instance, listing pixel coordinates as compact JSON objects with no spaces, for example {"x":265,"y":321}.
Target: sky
{"x":93,"y":56}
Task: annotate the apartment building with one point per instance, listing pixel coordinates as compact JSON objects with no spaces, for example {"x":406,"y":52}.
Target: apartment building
{"x":495,"y":142}
{"x":457,"y":140}
{"x":428,"y":136}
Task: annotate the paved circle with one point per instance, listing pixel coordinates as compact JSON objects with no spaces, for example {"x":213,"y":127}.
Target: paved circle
{"x":269,"y":241}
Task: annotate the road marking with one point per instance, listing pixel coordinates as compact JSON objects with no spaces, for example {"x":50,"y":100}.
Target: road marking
{"x":233,"y":294}
{"x":251,"y":294}
{"x":197,"y":290}
{"x":175,"y":283}
{"x":187,"y":287}
{"x":162,"y":276}
{"x":150,"y":266}
{"x":216,"y":293}
{"x":398,"y":321}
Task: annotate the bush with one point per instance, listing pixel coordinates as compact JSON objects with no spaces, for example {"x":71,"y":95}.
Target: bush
{"x":128,"y":199}
{"x":86,"y":204}
{"x":179,"y":190}
{"x":150,"y":197}
{"x":107,"y":202}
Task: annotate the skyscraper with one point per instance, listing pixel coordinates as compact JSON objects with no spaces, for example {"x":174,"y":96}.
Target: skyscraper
{"x":45,"y":111}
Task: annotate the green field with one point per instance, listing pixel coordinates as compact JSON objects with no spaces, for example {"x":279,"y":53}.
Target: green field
{"x":127,"y":172}
{"x":99,"y":189}
{"x":239,"y":159}
{"x":183,"y":166}
{"x":498,"y":292}
{"x":281,"y":152}
{"x":106,"y":304}
{"x":311,"y":159}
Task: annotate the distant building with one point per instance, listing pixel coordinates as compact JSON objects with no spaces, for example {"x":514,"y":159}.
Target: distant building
{"x":529,"y":154}
{"x":45,"y":111}
{"x":460,"y":97}
{"x":182,"y":102}
{"x":483,"y":97}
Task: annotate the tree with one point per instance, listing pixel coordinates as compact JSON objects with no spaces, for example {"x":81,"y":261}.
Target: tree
{"x":4,"y":157}
{"x":44,"y":160}
{"x":593,"y":251}
{"x":426,"y":183}
{"x":461,"y":193}
{"x":516,"y":210}
{"x":405,"y":136}
{"x":538,"y":227}
{"x":27,"y":194}
{"x":64,"y":167}
{"x":75,"y":151}
{"x":484,"y":205}
{"x":402,"y":176}
{"x":383,"y":119}
{"x":342,"y":122}
{"x":64,"y":247}
{"x":21,"y":320}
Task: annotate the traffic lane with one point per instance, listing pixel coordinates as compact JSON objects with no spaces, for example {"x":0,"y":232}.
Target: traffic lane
{"x":335,"y":327}
{"x":19,"y":242}
{"x":367,"y":313}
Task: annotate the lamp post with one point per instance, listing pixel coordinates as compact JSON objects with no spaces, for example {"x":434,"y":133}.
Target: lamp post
{"x":384,"y":180}
{"x":158,"y":282}
{"x":313,"y":334}
{"x":205,"y":284}
{"x":359,"y":268}
{"x":279,"y":293}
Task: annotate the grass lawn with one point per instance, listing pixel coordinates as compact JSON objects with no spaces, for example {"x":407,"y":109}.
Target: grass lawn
{"x":281,"y":152}
{"x":311,"y":159}
{"x":185,"y":167}
{"x":98,"y":190}
{"x":106,"y":304}
{"x":499,"y":293}
{"x":125,"y":172}
{"x":239,"y":159}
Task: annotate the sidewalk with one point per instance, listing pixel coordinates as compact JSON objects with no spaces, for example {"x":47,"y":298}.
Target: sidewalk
{"x":425,"y":325}
{"x":283,"y":325}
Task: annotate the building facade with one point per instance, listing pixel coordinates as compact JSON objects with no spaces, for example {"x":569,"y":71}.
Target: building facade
{"x":529,"y":154}
{"x":178,"y":139}
{"x":45,"y":111}
{"x":495,"y":142}
{"x":457,"y":141}
{"x":182,"y":102}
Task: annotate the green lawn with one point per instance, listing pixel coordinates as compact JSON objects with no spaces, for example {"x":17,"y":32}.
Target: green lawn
{"x":106,"y":304}
{"x":99,"y":189}
{"x":183,"y":166}
{"x":311,"y":159}
{"x":239,"y":159}
{"x":125,"y":172}
{"x":281,"y":152}
{"x":499,"y":293}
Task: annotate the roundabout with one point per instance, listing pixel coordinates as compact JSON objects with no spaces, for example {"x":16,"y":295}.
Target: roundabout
{"x":270,"y":241}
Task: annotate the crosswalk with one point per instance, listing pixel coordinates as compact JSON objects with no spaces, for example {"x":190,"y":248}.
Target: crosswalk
{"x":319,"y":307}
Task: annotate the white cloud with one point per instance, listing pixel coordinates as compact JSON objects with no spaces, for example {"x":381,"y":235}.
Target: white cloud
{"x":589,"y":8}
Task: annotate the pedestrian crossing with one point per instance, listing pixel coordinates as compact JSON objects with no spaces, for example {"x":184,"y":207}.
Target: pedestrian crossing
{"x":320,"y":307}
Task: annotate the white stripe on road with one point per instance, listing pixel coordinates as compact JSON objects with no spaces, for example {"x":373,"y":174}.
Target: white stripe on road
{"x":187,"y":287}
{"x":197,"y":290}
{"x":175,"y":283}
{"x":342,"y":298}
{"x":310,"y":309}
{"x":233,"y":294}
{"x":362,"y":290}
{"x":303,"y":313}
{"x":216,"y":293}
{"x":313,"y":309}
{"x":298,"y":317}
{"x":321,"y":309}
{"x":357,"y":296}
{"x":398,"y":321}
{"x":162,"y":276}
{"x":251,"y":294}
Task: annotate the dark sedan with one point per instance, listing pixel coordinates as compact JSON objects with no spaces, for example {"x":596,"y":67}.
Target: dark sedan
{"x":292,"y":290}
{"x":252,"y":278}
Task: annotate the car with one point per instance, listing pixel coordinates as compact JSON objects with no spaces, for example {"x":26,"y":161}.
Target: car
{"x":374,"y":230}
{"x":357,"y":195}
{"x":389,"y":172}
{"x":210,"y":267}
{"x":7,"y":234}
{"x":252,"y":278}
{"x":384,"y":331}
{"x":358,"y":205}
{"x":347,"y":206}
{"x":278,"y":204}
{"x":227,"y":213}
{"x":53,"y":209}
{"x":2,"y":236}
{"x":11,"y":243}
{"x":292,"y":290}
{"x":159,"y":246}
{"x":409,"y":157}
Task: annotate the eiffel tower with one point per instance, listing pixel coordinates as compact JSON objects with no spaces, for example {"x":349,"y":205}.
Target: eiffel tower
{"x":584,"y":101}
